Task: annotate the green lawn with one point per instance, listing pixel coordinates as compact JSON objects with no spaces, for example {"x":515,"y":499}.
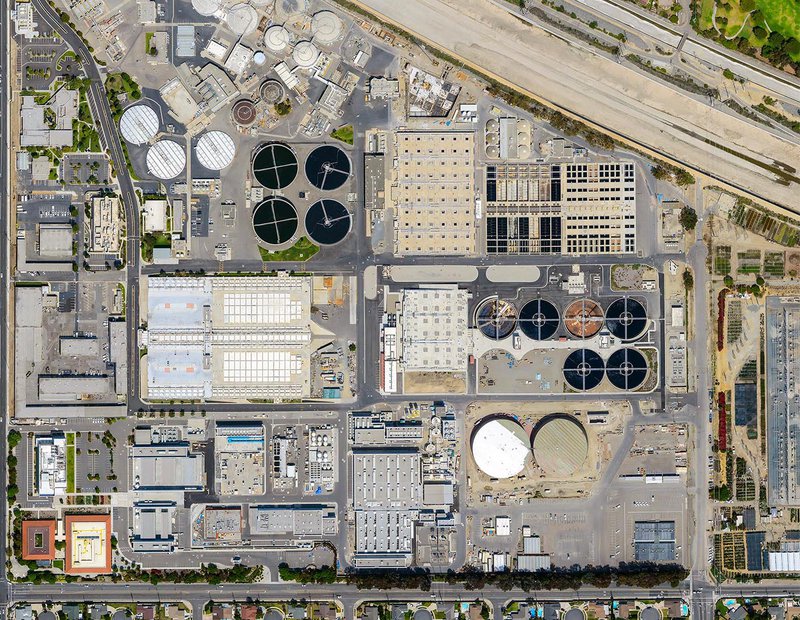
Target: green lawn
{"x":782,"y":15}
{"x":300,"y":251}
{"x":706,"y":11}
{"x":343,"y":133}
{"x":70,"y":468}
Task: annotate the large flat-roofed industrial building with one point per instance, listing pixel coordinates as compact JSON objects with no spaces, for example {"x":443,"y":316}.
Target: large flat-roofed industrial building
{"x":424,"y":330}
{"x":561,"y":208}
{"x":230,"y":338}
{"x":783,"y":409}
{"x":240,"y":458}
{"x":162,"y":461}
{"x":433,"y":193}
{"x":292,"y":520}
{"x":387,"y":496}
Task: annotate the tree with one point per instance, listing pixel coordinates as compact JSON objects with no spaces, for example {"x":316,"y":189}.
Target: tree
{"x":729,"y":75}
{"x":14,"y":437}
{"x":688,"y":218}
{"x":282,"y":108}
{"x":688,"y":279}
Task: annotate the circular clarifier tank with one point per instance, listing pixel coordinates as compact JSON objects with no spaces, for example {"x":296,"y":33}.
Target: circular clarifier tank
{"x":496,"y":318}
{"x":627,"y":369}
{"x":275,"y":165}
{"x":272,"y":91}
{"x":326,"y":27}
{"x":305,"y":54}
{"x":500,"y":446}
{"x":276,"y":38}
{"x":328,"y":167}
{"x":560,"y":445}
{"x":584,"y":369}
{"x":626,"y":318}
{"x":242,"y":19}
{"x":583,"y":318}
{"x":539,"y":319}
{"x":244,"y":112}
{"x":275,"y":220}
{"x":327,"y":221}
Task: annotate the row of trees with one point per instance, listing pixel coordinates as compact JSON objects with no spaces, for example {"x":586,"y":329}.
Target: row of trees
{"x":636,"y":574}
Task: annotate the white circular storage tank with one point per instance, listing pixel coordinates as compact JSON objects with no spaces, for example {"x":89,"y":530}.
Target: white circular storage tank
{"x":215,"y":150}
{"x":166,"y":159}
{"x":523,"y":137}
{"x":259,"y":58}
{"x":242,"y":19}
{"x":523,"y":151}
{"x":207,"y":8}
{"x":276,"y":38}
{"x":523,"y":125}
{"x":326,"y":27}
{"x":492,"y":151}
{"x":492,"y":138}
{"x":139,"y":124}
{"x":492,"y":125}
{"x":500,"y":447}
{"x":305,"y":54}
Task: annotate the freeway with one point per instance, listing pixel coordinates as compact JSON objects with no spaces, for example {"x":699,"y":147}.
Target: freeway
{"x":636,"y":109}
{"x":695,"y":45}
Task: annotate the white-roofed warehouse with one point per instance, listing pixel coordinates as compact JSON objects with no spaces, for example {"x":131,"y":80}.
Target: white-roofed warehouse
{"x":230,"y":338}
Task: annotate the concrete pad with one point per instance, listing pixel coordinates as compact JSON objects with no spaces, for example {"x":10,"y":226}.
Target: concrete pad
{"x":433,"y":273}
{"x":513,"y":273}
{"x":371,"y":282}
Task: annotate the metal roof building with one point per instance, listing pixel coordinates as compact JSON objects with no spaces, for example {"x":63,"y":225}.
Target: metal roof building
{"x":654,"y":541}
{"x":230,"y":338}
{"x":152,"y":526}
{"x":387,"y":495}
{"x":167,"y":467}
{"x":184,"y":42}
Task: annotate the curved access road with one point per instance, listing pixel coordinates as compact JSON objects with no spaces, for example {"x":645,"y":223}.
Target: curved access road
{"x":98,"y":103}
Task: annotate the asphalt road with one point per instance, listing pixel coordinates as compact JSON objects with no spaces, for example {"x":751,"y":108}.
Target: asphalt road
{"x":5,"y":249}
{"x":98,"y":102}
